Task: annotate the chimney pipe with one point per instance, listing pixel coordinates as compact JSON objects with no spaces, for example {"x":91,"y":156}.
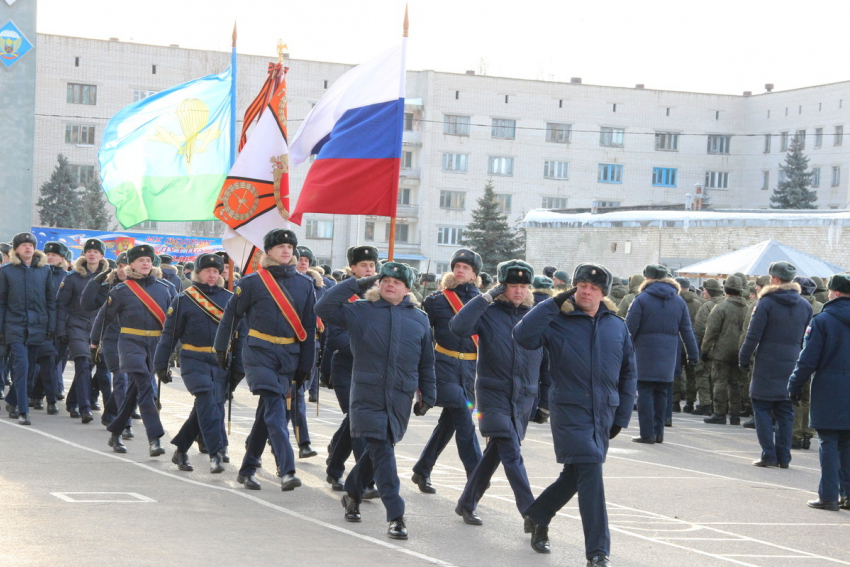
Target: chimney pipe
{"x":768,"y":87}
{"x":639,"y":86}
{"x":748,"y":93}
{"x":470,"y":72}
{"x":575,"y":80}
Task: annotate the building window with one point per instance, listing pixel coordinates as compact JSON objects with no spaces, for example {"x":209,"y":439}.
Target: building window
{"x":607,"y":204}
{"x":500,"y":165}
{"x":664,"y":176}
{"x":82,"y":174}
{"x":801,"y":138}
{"x":717,"y":179}
{"x":404,"y":195}
{"x":610,"y":173}
{"x":453,"y":200}
{"x":408,"y":121}
{"x":554,"y":202}
{"x":443,"y":267}
{"x":839,"y":136}
{"x":456,"y":125}
{"x":555,"y":169}
{"x":767,"y":138}
{"x":611,"y":137}
{"x":504,"y":129}
{"x":765,"y":180}
{"x":818,"y":137}
{"x":456,"y":162}
{"x":836,"y":176}
{"x":81,"y":94}
{"x":147,"y":225}
{"x":558,"y":133}
{"x":783,"y":141}
{"x":369,"y":232}
{"x":719,"y":144}
{"x":450,"y":235}
{"x":407,"y":159}
{"x":783,"y":176}
{"x":141,"y":94}
{"x":815,"y":177}
{"x":503,"y":201}
{"x":320,"y":229}
{"x":401,"y":232}
{"x":667,"y":141}
{"x":79,"y":134}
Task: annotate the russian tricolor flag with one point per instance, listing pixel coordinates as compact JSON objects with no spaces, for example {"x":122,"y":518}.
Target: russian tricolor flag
{"x":355,"y":132}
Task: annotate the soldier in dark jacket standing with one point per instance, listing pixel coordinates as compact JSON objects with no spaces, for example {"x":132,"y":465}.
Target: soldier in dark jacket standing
{"x":393,"y":358}
{"x":803,"y":432}
{"x":73,"y":326}
{"x":506,"y":385}
{"x":593,"y":390}
{"x":48,"y":369}
{"x":688,"y":390}
{"x":825,"y":361}
{"x":169,"y":272}
{"x":659,"y":321}
{"x":775,"y":335}
{"x":27,"y":316}
{"x":454,"y":366}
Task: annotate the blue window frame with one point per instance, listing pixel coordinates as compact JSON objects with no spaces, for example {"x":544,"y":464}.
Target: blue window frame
{"x":664,"y":176}
{"x":610,"y":173}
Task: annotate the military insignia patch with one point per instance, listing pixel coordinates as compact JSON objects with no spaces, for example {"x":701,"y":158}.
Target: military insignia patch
{"x":170,"y":311}
{"x":61,"y":285}
{"x":238,"y":290}
{"x":109,"y":300}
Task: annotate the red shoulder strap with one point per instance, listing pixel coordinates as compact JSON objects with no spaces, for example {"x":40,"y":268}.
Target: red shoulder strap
{"x":457,"y":305}
{"x":283,"y":304}
{"x":145,"y":298}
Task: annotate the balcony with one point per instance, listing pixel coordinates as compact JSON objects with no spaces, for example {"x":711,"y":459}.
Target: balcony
{"x":407,"y":211}
{"x":409,"y":173}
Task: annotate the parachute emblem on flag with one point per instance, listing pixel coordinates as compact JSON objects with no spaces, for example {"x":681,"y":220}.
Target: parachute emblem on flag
{"x":193,"y":115}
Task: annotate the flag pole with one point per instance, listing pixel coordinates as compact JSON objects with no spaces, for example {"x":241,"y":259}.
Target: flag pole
{"x":233,"y":99}
{"x":391,"y":250}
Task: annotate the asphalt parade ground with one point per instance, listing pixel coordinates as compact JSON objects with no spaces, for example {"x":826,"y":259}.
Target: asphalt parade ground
{"x":694,"y":500}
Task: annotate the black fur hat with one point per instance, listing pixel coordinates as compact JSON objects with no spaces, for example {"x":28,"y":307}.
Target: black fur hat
{"x":549,"y":271}
{"x":278,"y":236}
{"x":469,"y":257}
{"x":357,"y":254}
{"x":327,"y":269}
{"x":94,"y":244}
{"x":55,"y":248}
{"x":595,"y":274}
{"x":839,"y":283}
{"x":166,"y":258}
{"x":515,"y":272}
{"x":785,"y":271}
{"x":5,"y":248}
{"x":189,"y":266}
{"x":112,"y":263}
{"x":655,"y":272}
{"x":398,"y":271}
{"x":122,"y":258}
{"x":304,"y":251}
{"x":23,"y":238}
{"x":807,"y":285}
{"x":427,"y":277}
{"x":486,"y":279}
{"x":683,"y":282}
{"x":141,"y":251}
{"x":209,"y":261}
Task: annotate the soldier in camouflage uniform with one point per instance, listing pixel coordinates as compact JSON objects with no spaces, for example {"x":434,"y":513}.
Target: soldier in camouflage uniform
{"x":802,"y":435}
{"x":821,"y":293}
{"x":746,"y":403}
{"x":761,"y":282}
{"x":720,"y":350}
{"x":634,"y":288}
{"x":618,"y":291}
{"x":713,"y":295}
{"x":686,"y":386}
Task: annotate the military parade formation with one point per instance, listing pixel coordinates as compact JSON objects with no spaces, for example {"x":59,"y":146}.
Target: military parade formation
{"x":578,"y":351}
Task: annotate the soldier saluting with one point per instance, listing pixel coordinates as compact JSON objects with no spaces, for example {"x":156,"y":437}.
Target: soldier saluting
{"x":280,"y":348}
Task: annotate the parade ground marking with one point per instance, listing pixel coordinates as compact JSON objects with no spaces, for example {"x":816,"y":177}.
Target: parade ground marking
{"x":103,"y":497}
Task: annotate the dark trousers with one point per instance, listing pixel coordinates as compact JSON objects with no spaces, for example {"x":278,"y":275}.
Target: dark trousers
{"x":21,"y":360}
{"x":503,"y":450}
{"x":204,"y":419}
{"x":102,"y":381}
{"x":834,"y":463}
{"x":303,"y":433}
{"x":342,"y":445}
{"x":47,"y":383}
{"x":139,"y":391}
{"x":652,"y":407}
{"x":586,"y":480}
{"x":119,"y":392}
{"x":775,"y":448}
{"x":453,"y":422}
{"x":80,"y":393}
{"x":378,"y":462}
{"x":269,"y":425}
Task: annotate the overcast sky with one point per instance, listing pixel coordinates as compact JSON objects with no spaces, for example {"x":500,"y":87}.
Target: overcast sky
{"x":717,"y":46}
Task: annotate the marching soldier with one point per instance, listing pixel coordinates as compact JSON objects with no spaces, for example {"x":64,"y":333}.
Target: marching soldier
{"x":169,"y":272}
{"x":47,"y":354}
{"x":393,"y":359}
{"x":713,"y":295}
{"x":542,"y":288}
{"x":802,"y":437}
{"x":760,"y":283}
{"x":561,"y":280}
{"x":279,"y":351}
{"x":27,"y":316}
{"x":506,"y":384}
{"x":454,"y":366}
{"x":139,"y":305}
{"x":193,"y":319}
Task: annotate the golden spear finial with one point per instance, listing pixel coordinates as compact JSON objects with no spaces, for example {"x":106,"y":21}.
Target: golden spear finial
{"x":281,"y":48}
{"x":406,"y":21}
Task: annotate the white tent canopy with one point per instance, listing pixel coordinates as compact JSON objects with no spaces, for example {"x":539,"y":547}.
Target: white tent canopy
{"x":755,"y":260}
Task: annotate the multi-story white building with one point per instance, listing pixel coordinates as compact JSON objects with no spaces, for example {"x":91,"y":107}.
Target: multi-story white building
{"x":543,"y":144}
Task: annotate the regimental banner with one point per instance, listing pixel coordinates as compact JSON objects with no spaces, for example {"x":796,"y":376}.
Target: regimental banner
{"x":13,"y":43}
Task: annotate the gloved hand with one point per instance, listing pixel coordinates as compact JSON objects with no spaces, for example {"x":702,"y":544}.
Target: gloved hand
{"x":49,"y":335}
{"x":796,"y":397}
{"x":615,"y":430}
{"x":562,"y":297}
{"x":164,"y":375}
{"x":494,"y":292}
{"x":542,"y":416}
{"x":235,"y":378}
{"x":366,"y":283}
{"x":703,"y":356}
{"x":101,"y":277}
{"x":300,"y":378}
{"x":692,"y":363}
{"x":744,"y":369}
{"x":221,"y":357}
{"x":64,"y":339}
{"x":420,"y":408}
{"x":93,"y":352}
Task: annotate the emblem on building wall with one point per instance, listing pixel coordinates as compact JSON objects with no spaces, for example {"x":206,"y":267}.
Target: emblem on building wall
{"x":13,"y":44}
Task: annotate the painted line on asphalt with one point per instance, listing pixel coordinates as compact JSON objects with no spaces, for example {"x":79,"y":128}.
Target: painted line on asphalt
{"x":750,"y":458}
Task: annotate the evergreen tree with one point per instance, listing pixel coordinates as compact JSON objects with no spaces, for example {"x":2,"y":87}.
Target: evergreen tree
{"x":60,"y":203}
{"x":489,"y":233}
{"x":794,"y":192}
{"x":94,"y":206}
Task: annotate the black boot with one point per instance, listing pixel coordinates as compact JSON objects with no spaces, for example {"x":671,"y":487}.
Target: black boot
{"x":539,"y":537}
{"x":225,"y":456}
{"x":336,"y":484}
{"x":116,"y":444}
{"x":352,"y":508}
{"x":249,"y":481}
{"x":216,"y":465}
{"x":397,"y":529}
{"x":424,"y":483}
{"x":305,"y":451}
{"x":469,"y":516}
{"x":689,"y":407}
{"x":289,"y":482}
{"x":716,"y":419}
{"x":155,"y":448}
{"x":181,"y":459}
{"x":52,"y":409}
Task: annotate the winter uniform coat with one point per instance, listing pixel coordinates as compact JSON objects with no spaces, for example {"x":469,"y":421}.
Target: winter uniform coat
{"x":659,"y":321}
{"x":27,"y":300}
{"x":455,"y":377}
{"x":94,"y":297}
{"x":73,"y":321}
{"x":593,"y":375}
{"x":508,"y":375}
{"x":393,"y":358}
{"x":169,"y":274}
{"x":775,"y":335}
{"x":49,"y":348}
{"x":826,"y":360}
{"x":191,"y":325}
{"x":723,"y":329}
{"x":270,"y":367}
{"x":136,"y":352}
{"x":338,"y":349}
{"x":693,"y":302}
